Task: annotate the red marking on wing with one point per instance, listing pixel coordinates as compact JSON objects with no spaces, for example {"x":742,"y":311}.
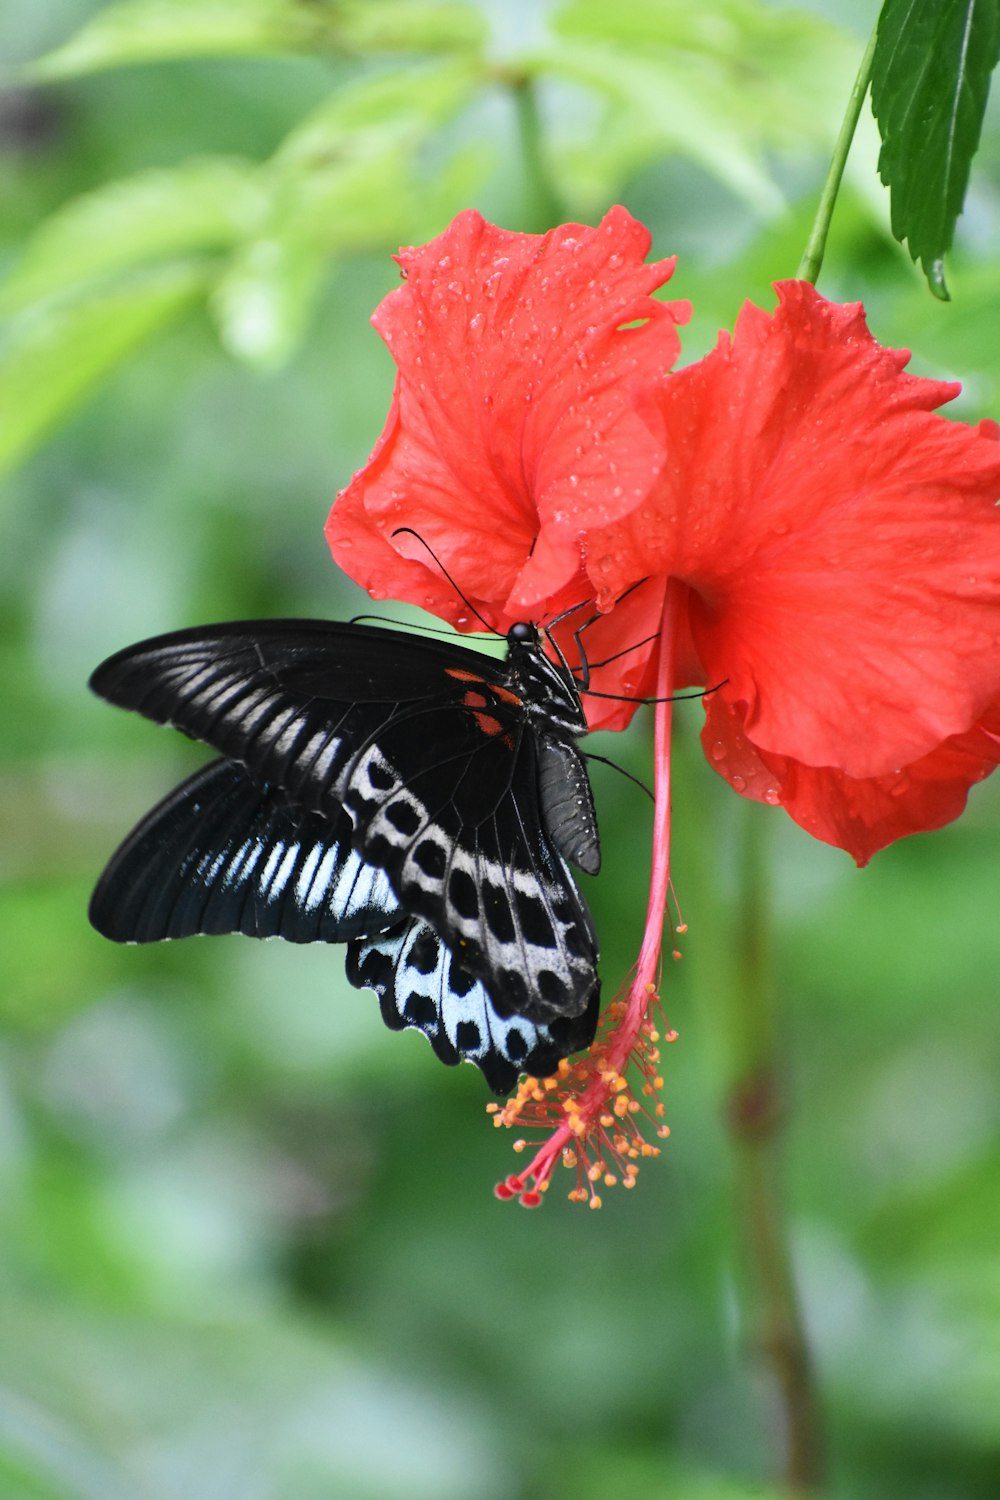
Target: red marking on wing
{"x":488,"y":724}
{"x":505,"y":695}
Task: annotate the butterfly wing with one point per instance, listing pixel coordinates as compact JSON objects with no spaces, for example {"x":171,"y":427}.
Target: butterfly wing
{"x":292,"y":700}
{"x":420,"y":983}
{"x":430,"y":752}
{"x":220,"y":854}
{"x":463,"y":841}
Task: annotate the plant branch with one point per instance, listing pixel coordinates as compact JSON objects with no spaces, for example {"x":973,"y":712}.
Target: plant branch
{"x":546,"y":206}
{"x":755,"y":1116}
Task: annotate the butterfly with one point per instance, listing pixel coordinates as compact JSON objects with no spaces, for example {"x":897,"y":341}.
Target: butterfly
{"x":412,"y":798}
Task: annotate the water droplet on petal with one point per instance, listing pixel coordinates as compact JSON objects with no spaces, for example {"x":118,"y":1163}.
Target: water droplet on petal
{"x":772,"y":797}
{"x":738,"y":783}
{"x":718,"y":752}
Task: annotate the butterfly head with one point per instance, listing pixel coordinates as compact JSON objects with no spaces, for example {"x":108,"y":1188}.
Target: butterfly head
{"x":549,"y":688}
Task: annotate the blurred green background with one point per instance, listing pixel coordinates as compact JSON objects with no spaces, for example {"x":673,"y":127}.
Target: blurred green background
{"x":249,"y":1247}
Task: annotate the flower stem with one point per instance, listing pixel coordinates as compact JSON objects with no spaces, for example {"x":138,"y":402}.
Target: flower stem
{"x":812,"y":258}
{"x":545,"y":204}
{"x":754,"y":1113}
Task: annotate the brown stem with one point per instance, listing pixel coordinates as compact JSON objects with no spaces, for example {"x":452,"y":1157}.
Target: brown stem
{"x":755,"y":1116}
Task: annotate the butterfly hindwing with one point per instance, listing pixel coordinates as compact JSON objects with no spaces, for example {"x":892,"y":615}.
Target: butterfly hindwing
{"x":220,"y":854}
{"x":421,"y":984}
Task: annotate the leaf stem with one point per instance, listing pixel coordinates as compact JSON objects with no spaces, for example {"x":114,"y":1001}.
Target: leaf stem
{"x":812,"y":258}
{"x":755,"y":1116}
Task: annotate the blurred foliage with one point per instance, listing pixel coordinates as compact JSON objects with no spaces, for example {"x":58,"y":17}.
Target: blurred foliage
{"x":249,"y":1245}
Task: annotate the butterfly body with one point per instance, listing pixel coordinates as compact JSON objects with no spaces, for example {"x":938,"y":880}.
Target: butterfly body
{"x":413,"y":798}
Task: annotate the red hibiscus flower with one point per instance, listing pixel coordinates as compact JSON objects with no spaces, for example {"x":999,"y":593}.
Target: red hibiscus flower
{"x":786,"y":522}
{"x":839,"y":547}
{"x":513,"y":426}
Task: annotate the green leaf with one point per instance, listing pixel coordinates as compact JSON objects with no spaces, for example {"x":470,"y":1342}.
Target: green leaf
{"x":262,"y":302}
{"x":722,"y":86}
{"x":52,"y":358}
{"x":201,"y":205}
{"x":930,"y":82}
{"x":142,"y":31}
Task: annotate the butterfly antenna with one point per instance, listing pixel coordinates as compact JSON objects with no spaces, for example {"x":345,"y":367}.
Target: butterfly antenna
{"x":409,"y":531}
{"x":419,"y":628}
{"x":673,"y":698}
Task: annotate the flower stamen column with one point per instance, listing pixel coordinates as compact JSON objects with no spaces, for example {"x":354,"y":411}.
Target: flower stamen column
{"x":590,"y":1108}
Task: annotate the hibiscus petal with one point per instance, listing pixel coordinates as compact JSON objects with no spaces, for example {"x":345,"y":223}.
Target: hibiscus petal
{"x":841,"y":540}
{"x":512,"y":426}
{"x":859,"y":814}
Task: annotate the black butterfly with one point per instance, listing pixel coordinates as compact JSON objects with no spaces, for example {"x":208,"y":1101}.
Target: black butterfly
{"x":412,"y":798}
